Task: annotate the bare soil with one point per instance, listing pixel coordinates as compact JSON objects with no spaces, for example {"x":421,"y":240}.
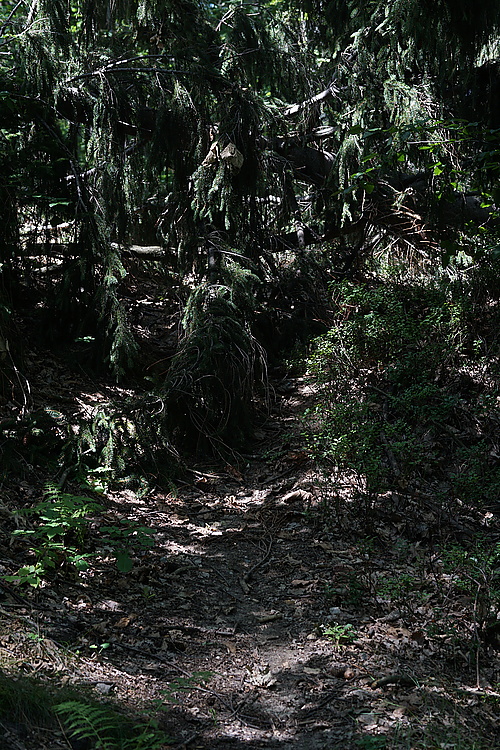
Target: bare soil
{"x":272,"y":612}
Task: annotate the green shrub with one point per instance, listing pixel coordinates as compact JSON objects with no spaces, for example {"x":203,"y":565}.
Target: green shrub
{"x":401,"y":377}
{"x":59,"y":535}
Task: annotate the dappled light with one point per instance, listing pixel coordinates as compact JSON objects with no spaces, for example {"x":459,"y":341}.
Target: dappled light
{"x":249,"y":375}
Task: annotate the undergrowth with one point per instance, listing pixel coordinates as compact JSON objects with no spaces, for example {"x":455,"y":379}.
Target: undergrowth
{"x":406,"y":414}
{"x":57,"y":532}
{"x":212,"y":378}
{"x":31,"y":706}
{"x":408,"y":389}
{"x":123,"y":443}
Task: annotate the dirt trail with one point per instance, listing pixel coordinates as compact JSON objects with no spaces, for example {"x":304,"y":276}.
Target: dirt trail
{"x":250,"y":583}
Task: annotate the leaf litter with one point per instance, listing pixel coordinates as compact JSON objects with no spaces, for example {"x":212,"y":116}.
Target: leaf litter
{"x":221,"y":627}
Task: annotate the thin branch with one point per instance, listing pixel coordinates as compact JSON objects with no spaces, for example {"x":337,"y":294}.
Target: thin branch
{"x":29,"y":24}
{"x":296,"y":108}
{"x":107,"y":69}
{"x":122,"y":61}
{"x":32,"y":12}
{"x":9,"y":17}
{"x":246,"y":577}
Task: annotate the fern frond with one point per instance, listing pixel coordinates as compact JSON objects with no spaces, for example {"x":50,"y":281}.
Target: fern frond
{"x":84,"y":721}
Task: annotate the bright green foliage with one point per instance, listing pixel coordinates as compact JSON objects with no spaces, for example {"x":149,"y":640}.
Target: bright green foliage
{"x":339,"y":634}
{"x":59,"y":538}
{"x":124,"y":537}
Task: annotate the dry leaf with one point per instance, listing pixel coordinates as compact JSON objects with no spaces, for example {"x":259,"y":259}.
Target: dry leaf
{"x":399,"y":712}
{"x":301,"y":582}
{"x":325,"y":546}
{"x":234,"y":473}
{"x":233,"y":157}
{"x":262,"y":677}
{"x":298,"y":456}
{"x":124,"y":621}
{"x":297,"y":495}
{"x":213,"y":155}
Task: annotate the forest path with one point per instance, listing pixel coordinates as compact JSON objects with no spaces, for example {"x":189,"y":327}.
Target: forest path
{"x":258,"y":621}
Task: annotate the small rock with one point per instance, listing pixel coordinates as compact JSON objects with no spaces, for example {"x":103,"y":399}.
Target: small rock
{"x":104,"y":688}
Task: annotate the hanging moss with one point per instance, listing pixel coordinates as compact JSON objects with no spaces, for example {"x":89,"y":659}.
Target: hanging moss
{"x":211,"y":380}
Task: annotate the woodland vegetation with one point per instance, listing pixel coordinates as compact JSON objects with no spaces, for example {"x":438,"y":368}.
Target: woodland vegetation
{"x":202,"y":204}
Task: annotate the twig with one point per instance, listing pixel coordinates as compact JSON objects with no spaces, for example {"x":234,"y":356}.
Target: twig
{"x":476,"y":633}
{"x":390,"y":454}
{"x":207,"y":691}
{"x":228,"y":592}
{"x":295,"y":108}
{"x":174,"y":666}
{"x":394,"y":679}
{"x":149,"y":655}
{"x":20,"y":599}
{"x":102,"y":71}
{"x":193,"y":629}
{"x":245,"y":579}
{"x":9,"y":17}
{"x":187,"y":742}
{"x":16,"y":616}
{"x":323,"y":702}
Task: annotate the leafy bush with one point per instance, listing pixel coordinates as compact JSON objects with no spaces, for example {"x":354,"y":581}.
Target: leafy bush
{"x":475,"y":571}
{"x":128,"y":534}
{"x":402,"y":384}
{"x":122,"y":443}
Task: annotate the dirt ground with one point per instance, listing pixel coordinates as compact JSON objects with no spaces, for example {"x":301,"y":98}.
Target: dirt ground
{"x":267,"y":615}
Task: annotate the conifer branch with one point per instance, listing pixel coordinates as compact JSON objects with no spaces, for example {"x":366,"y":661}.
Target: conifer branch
{"x":10,"y":16}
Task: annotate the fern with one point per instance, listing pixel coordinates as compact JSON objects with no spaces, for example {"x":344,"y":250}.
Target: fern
{"x":108,"y":729}
{"x":86,"y":722}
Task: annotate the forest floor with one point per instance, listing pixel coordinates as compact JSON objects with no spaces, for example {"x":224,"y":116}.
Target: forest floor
{"x":278,"y":608}
{"x":258,"y":619}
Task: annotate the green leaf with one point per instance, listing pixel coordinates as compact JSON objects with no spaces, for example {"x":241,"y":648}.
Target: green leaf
{"x":124,"y":562}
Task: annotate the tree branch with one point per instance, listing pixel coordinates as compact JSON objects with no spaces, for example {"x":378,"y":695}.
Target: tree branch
{"x":296,"y":108}
{"x":9,"y":17}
